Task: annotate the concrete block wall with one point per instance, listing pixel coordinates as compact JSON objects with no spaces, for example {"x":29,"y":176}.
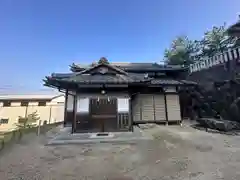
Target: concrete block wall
{"x":51,"y":113}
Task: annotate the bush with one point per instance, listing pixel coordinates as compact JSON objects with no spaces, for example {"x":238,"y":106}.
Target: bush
{"x":221,"y":101}
{"x":27,"y":122}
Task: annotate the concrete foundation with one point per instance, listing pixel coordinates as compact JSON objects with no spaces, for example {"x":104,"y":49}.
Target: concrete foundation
{"x":65,"y":137}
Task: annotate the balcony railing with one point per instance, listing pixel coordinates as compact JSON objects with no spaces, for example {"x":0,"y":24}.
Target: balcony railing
{"x":220,"y":58}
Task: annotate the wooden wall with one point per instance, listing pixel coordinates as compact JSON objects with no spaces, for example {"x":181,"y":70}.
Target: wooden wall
{"x":156,"y":108}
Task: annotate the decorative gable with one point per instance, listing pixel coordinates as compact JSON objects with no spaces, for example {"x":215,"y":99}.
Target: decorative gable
{"x":103,"y":67}
{"x":103,"y":70}
{"x":103,"y":60}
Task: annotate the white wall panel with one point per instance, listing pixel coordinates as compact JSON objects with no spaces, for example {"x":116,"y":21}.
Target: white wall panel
{"x":123,"y":104}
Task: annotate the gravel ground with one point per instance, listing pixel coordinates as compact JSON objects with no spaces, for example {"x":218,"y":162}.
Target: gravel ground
{"x":176,"y":153}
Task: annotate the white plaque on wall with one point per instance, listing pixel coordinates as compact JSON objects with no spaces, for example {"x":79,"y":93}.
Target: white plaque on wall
{"x":83,"y":105}
{"x":70,"y":102}
{"x":123,"y":104}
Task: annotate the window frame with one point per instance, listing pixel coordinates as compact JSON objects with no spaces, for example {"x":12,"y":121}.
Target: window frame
{"x":24,"y":103}
{"x":6,"y":103}
{"x":4,"y":120}
{"x":42,"y":103}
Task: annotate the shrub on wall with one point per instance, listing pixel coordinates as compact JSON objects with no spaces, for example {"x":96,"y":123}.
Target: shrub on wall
{"x":27,"y":122}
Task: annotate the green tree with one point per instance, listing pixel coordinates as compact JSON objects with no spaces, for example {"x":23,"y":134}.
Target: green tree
{"x":186,"y":51}
{"x":27,"y":122}
{"x":180,"y":51}
{"x":217,"y":40}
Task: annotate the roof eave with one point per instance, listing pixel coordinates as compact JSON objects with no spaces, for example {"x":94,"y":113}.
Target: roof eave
{"x":75,"y":68}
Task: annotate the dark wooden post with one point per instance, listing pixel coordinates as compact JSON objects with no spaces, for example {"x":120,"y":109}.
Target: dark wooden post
{"x":26,"y":111}
{"x":130,"y":115}
{"x":65,"y":108}
{"x":154,"y":108}
{"x":74,"y":113}
{"x":140,"y":107}
{"x":50,"y":114}
{"x":166,"y":110}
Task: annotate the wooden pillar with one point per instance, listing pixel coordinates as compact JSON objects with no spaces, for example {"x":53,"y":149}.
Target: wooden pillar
{"x":74,"y":113}
{"x":130,"y":115}
{"x":154,"y":108}
{"x":50,"y":114}
{"x":140,"y":104}
{"x":65,"y":108}
{"x":166,"y":109}
{"x":26,"y":112}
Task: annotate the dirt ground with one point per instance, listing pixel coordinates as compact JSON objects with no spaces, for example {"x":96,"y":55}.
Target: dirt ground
{"x":176,"y":153}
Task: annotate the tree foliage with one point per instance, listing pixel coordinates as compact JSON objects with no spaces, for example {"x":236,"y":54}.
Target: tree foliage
{"x":186,"y":51}
{"x":27,"y":122}
{"x":215,"y":40}
{"x":103,"y":60}
{"x":179,"y":52}
{"x":223,"y":100}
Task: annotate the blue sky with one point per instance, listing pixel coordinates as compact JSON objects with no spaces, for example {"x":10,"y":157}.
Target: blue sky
{"x":38,"y":37}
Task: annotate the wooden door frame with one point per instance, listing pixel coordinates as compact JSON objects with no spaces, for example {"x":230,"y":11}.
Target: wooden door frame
{"x":102,"y":122}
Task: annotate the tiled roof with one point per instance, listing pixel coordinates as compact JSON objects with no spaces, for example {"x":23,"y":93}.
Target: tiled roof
{"x":171,"y":82}
{"x":119,"y":78}
{"x":112,"y":75}
{"x":29,"y":96}
{"x":236,"y":25}
{"x":93,"y":75}
{"x":119,"y":64}
{"x":133,"y":66}
{"x":235,"y":28}
{"x":188,"y":82}
{"x":62,"y":75}
{"x":107,"y":78}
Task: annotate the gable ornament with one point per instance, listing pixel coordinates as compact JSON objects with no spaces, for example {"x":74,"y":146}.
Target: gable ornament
{"x":103,"y":60}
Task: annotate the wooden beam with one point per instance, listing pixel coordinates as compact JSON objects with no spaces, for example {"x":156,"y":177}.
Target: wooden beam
{"x":74,"y":113}
{"x":86,"y":85}
{"x":166,"y":110}
{"x":117,"y":85}
{"x":140,"y":104}
{"x":154,"y":108}
{"x":130,"y":115}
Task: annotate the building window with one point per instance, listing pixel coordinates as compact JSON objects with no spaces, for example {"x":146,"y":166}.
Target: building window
{"x":3,"y":121}
{"x":24,"y":103}
{"x":6,"y":103}
{"x":123,"y":104}
{"x":83,"y":105}
{"x":42,"y":103}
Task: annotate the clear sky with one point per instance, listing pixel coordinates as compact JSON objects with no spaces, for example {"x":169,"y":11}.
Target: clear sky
{"x":38,"y":37}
